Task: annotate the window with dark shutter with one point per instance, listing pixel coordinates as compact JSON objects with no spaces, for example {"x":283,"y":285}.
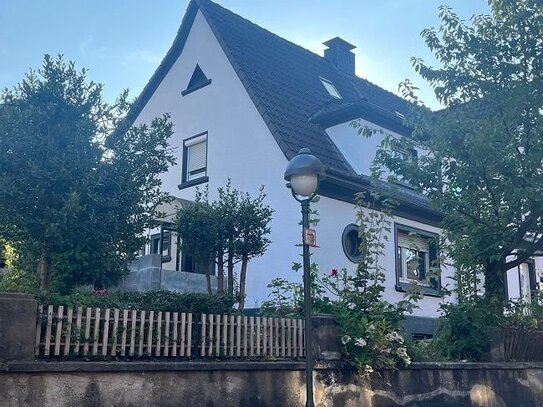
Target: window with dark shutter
{"x":195,"y":159}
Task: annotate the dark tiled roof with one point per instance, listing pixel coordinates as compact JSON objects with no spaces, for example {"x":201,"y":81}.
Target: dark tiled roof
{"x":283,"y":81}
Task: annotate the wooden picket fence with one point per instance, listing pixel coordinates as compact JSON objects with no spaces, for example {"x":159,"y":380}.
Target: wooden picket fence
{"x":242,"y":336}
{"x":94,"y":332}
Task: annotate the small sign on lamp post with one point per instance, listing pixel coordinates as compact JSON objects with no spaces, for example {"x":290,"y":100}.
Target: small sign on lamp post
{"x":310,"y":237}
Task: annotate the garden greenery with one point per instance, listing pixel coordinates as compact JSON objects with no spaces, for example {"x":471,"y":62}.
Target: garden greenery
{"x":369,"y":326}
{"x":155,"y":300}
{"x":232,"y":229}
{"x":77,"y":188}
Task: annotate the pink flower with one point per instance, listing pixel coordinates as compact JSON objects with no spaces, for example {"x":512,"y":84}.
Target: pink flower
{"x":334,"y":273}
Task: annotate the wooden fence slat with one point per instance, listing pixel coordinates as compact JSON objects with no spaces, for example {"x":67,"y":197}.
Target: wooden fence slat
{"x":174,"y":334}
{"x":189,"y":335}
{"x":277,"y":338}
{"x":238,"y":335}
{"x":245,"y":327}
{"x":167,"y":334}
{"x":224,"y":337}
{"x":67,"y":341}
{"x":58,"y":333}
{"x":105,"y":335}
{"x":268,"y":343}
{"x":283,"y":337}
{"x":258,"y":336}
{"x":203,"y":335}
{"x":88,"y":318}
{"x":211,"y":333}
{"x":182,"y":342}
{"x":290,"y":332}
{"x":96,"y":336}
{"x":142,"y":333}
{"x":115,"y":332}
{"x":48,"y":330}
{"x":150,"y":333}
{"x":264,"y":336}
{"x":125,"y":332}
{"x":158,"y":333}
{"x":78,"y":329}
{"x":231,"y":336}
{"x":217,"y":335}
{"x":252,"y":336}
{"x":272,"y":336}
{"x":38,"y":330}
{"x":133,"y":317}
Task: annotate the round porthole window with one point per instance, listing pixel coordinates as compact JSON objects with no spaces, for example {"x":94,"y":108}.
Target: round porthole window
{"x":351,"y":243}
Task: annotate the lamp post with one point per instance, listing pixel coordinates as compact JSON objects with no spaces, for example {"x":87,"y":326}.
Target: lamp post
{"x":303,"y":174}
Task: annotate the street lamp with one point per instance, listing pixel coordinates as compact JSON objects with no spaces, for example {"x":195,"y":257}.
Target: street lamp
{"x":303,"y":174}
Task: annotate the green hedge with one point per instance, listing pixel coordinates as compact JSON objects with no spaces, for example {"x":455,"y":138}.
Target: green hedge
{"x":160,"y":300}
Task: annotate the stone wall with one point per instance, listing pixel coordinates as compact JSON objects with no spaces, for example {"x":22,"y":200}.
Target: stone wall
{"x":256,"y":384}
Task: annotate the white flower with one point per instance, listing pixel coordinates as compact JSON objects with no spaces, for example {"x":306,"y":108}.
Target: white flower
{"x":371,"y":328}
{"x":367,"y":370}
{"x":387,"y":351}
{"x":394,"y":336}
{"x":360,"y":342}
{"x":351,"y":305}
{"x":345,"y":339}
{"x":402,"y":353}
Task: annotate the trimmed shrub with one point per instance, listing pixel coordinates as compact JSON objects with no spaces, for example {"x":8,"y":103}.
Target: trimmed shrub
{"x":158,"y":300}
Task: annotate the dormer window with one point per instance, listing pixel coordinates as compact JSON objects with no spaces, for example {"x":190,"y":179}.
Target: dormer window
{"x":197,"y":81}
{"x":330,"y":88}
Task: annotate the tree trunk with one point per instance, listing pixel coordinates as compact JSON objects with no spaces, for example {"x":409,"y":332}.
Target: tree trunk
{"x":208,"y":280}
{"x":43,"y":271}
{"x":242,"y":279}
{"x":230,"y":273}
{"x":495,"y":284}
{"x":220,"y":273}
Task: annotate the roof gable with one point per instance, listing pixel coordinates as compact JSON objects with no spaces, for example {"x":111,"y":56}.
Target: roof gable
{"x":282,"y":79}
{"x":284,"y":83}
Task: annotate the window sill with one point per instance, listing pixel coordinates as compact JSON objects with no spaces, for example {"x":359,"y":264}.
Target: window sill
{"x":195,"y":87}
{"x":166,"y":259}
{"x":193,"y":182}
{"x":427,"y":291}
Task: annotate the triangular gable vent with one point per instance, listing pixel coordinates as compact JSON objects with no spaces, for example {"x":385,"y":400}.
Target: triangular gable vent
{"x":197,"y":80}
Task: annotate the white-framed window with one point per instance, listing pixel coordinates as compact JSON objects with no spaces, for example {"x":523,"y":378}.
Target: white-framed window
{"x":416,"y":256}
{"x":195,"y":158}
{"x":330,"y":88}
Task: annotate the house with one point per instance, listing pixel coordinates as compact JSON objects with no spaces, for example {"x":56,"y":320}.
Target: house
{"x":244,"y":101}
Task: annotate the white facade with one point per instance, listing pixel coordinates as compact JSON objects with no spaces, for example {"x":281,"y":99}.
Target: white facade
{"x":241,"y":147}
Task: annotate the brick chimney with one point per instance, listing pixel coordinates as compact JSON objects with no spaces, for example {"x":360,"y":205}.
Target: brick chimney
{"x":340,"y":55}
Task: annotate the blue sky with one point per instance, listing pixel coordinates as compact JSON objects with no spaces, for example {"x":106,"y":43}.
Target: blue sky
{"x":122,"y":42}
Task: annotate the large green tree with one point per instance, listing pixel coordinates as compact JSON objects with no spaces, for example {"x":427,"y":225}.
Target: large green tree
{"x":483,"y":165}
{"x":77,"y":189}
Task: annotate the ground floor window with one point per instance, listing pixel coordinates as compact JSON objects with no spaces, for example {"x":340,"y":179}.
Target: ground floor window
{"x":416,"y":258}
{"x":166,"y":245}
{"x":190,"y":265}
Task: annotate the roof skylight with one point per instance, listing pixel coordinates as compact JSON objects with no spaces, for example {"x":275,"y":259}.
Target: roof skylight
{"x":329,"y":86}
